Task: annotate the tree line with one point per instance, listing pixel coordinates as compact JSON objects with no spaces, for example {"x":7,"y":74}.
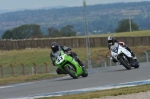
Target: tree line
{"x":34,"y":30}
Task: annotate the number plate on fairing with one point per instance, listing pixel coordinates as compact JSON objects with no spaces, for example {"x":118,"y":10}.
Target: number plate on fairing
{"x":59,"y":59}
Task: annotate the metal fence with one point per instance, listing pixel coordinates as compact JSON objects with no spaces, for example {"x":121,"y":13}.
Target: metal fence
{"x":7,"y":71}
{"x":71,"y":42}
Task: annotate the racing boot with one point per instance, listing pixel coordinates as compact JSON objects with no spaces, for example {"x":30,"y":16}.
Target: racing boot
{"x":81,"y":64}
{"x":133,"y":55}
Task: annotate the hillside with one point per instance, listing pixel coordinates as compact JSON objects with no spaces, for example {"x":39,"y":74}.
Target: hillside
{"x":102,"y":18}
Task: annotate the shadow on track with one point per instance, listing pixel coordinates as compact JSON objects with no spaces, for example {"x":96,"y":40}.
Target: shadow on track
{"x":122,"y":70}
{"x":63,"y":79}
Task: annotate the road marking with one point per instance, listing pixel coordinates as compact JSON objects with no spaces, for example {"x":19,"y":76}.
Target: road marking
{"x":5,"y":87}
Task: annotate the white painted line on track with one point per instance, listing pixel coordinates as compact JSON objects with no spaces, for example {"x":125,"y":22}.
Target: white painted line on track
{"x":1,"y":87}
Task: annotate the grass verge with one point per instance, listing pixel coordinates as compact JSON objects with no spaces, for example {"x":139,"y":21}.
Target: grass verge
{"x":98,"y":94}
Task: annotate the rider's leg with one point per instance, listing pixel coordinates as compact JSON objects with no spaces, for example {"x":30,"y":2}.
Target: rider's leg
{"x":80,"y":62}
{"x":133,"y":55}
{"x":74,"y":55}
{"x":114,"y":60}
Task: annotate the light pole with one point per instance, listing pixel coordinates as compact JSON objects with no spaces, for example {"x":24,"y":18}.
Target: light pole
{"x":130,"y":23}
{"x":87,"y":37}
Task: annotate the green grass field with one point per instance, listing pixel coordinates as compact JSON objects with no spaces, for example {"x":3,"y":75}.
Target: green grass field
{"x":27,"y":57}
{"x":122,"y":34}
{"x":39,"y":56}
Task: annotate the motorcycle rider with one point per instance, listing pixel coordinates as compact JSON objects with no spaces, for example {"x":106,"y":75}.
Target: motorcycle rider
{"x":55,"y":47}
{"x":112,"y":41}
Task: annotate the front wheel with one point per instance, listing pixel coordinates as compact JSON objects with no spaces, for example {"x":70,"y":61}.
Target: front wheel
{"x":136,"y":64}
{"x":71,"y":71}
{"x":125,"y":63}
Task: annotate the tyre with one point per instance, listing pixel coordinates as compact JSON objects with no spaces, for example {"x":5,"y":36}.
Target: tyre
{"x":136,"y":66}
{"x":85,"y":73}
{"x":71,"y":71}
{"x":125,"y":63}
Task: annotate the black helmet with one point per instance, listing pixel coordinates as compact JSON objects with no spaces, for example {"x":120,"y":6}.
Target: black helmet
{"x":110,"y":40}
{"x":54,"y":47}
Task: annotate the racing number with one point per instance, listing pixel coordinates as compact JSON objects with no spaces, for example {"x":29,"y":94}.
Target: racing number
{"x":59,"y":58}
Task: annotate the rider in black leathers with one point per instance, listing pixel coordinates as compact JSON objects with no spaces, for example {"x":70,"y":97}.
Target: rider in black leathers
{"x":55,"y":47}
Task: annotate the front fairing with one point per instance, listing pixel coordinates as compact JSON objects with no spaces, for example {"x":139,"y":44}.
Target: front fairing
{"x":124,"y":51}
{"x":64,"y":59}
{"x":114,"y":50}
{"x":117,"y":49}
{"x":60,"y":58}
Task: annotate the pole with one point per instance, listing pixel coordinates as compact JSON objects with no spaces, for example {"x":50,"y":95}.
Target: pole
{"x":1,"y":71}
{"x":12,"y":69}
{"x":87,"y":37}
{"x":46,"y":67}
{"x":34,"y":68}
{"x":146,"y":55}
{"x":130,"y":23}
{"x":105,"y":64}
{"x":23,"y":69}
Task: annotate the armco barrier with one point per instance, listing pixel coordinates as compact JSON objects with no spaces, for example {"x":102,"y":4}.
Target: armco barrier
{"x":71,"y":42}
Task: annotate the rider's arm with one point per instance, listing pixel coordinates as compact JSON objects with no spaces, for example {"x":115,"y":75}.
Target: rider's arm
{"x":122,"y":44}
{"x":65,"y":48}
{"x":116,"y":40}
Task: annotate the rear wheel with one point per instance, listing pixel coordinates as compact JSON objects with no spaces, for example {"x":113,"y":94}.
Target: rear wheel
{"x":71,"y":71}
{"x":125,"y":63}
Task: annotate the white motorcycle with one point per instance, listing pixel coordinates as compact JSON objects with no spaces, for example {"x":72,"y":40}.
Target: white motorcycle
{"x":123,"y":56}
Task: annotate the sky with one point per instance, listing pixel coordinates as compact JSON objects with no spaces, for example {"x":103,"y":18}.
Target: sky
{"x":36,"y":4}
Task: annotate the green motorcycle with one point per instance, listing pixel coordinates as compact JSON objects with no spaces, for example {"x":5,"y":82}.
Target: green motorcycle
{"x":69,"y":66}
